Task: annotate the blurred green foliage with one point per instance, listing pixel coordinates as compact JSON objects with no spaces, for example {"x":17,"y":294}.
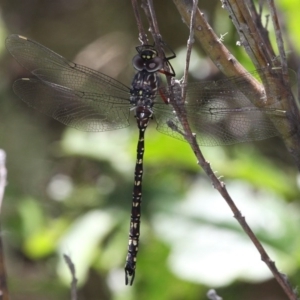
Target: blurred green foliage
{"x":70,"y":191}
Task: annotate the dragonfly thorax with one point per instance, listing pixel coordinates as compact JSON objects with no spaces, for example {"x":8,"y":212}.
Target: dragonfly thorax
{"x":144,"y":89}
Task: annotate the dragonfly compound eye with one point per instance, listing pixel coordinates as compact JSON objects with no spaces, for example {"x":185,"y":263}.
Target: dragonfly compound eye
{"x":138,"y":63}
{"x":154,"y":64}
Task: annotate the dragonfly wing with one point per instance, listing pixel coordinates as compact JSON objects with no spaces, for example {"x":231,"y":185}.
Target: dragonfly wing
{"x":219,"y":117}
{"x":51,"y":67}
{"x":167,"y":122}
{"x":84,"y":111}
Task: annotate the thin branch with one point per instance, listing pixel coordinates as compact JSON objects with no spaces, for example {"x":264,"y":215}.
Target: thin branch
{"x":190,"y":43}
{"x":290,"y":100}
{"x":71,"y":267}
{"x":154,"y":29}
{"x":279,"y":39}
{"x":239,"y":22}
{"x":151,"y":19}
{"x":4,"y":295}
{"x":142,"y":34}
{"x":154,"y":23}
{"x":249,"y":26}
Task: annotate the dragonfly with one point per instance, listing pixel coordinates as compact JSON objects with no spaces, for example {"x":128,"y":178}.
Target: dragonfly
{"x":219,"y":112}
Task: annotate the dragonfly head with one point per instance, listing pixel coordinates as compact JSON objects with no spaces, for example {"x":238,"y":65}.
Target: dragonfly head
{"x":147,"y":59}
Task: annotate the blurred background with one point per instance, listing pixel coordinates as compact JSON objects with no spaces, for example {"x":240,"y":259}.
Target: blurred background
{"x":70,"y":191}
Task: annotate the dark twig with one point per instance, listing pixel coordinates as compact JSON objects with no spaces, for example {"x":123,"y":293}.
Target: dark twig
{"x":154,"y":23}
{"x":154,"y":29}
{"x":249,"y":26}
{"x":3,"y":282}
{"x":146,"y":7}
{"x":279,"y":39}
{"x":190,"y":43}
{"x":238,"y":20}
{"x":260,"y":7}
{"x":142,"y":33}
{"x":292,"y":107}
{"x":73,"y":274}
{"x":258,"y":19}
